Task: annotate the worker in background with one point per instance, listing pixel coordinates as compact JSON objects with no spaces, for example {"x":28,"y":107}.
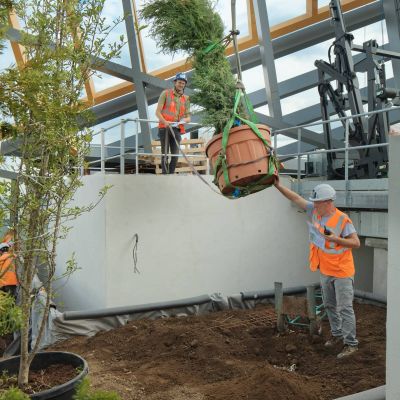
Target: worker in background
{"x":173,"y":110}
{"x":8,"y":276}
{"x":332,"y":238}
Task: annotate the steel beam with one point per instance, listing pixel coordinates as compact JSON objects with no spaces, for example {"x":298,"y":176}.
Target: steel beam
{"x":267,"y":59}
{"x":133,"y":46}
{"x":8,"y":174}
{"x":250,"y":58}
{"x":391,"y":9}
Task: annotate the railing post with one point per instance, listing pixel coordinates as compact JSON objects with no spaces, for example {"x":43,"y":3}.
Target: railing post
{"x":137,"y":146}
{"x":102,"y":151}
{"x":298,"y":159}
{"x":346,"y":162}
{"x":122,"y":148}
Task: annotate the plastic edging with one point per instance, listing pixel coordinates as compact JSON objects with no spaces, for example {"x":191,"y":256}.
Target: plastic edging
{"x":110,"y":312}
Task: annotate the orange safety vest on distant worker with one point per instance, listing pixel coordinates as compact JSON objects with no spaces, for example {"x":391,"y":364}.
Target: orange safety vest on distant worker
{"x":8,"y":276}
{"x":333,"y":259}
{"x":169,"y":109}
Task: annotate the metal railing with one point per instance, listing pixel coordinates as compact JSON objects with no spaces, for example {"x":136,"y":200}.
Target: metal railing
{"x":124,"y":150}
{"x":134,"y":151}
{"x":346,"y":149}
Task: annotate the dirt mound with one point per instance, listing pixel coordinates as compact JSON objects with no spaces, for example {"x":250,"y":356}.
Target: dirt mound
{"x":231,"y":355}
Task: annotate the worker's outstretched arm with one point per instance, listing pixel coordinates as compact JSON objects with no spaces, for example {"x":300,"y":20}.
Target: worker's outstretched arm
{"x":290,"y":195}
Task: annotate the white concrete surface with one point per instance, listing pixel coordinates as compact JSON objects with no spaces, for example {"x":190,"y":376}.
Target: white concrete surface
{"x":380,"y":249}
{"x":191,"y":242}
{"x":393,"y":285}
{"x":380,"y":272}
{"x":87,"y":240}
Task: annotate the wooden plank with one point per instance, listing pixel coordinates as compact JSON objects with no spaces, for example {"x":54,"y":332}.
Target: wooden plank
{"x":193,"y":141}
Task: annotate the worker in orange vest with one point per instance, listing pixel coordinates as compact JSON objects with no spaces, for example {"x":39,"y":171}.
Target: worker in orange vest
{"x":173,"y":110}
{"x":8,"y":276}
{"x":332,"y":237}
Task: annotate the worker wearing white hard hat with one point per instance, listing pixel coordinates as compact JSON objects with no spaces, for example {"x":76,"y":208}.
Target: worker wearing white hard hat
{"x":332,"y":237}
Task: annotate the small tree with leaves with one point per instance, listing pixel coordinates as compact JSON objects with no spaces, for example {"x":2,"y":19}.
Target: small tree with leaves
{"x":62,"y":39}
{"x":191,"y":26}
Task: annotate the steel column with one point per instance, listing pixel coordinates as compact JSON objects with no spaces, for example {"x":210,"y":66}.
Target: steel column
{"x":141,"y":99}
{"x":267,"y":59}
{"x":393,"y":278}
{"x":391,"y":8}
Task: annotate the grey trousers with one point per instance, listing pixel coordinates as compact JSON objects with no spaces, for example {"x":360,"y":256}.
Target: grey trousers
{"x":338,"y":295}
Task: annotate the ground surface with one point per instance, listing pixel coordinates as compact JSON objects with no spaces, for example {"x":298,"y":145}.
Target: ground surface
{"x":231,"y":355}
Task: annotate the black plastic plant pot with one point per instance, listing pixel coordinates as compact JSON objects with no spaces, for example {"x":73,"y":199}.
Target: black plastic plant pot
{"x":45,"y":359}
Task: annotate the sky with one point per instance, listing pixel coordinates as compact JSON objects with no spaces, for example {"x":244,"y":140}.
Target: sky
{"x":286,"y":67}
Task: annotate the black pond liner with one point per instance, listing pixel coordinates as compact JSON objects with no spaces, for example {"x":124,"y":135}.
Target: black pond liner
{"x":45,"y":359}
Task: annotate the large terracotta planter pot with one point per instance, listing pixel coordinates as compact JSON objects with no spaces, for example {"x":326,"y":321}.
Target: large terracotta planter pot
{"x":42,"y":360}
{"x":246,"y":156}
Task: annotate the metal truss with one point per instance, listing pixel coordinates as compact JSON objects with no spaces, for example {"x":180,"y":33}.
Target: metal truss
{"x":261,"y":46}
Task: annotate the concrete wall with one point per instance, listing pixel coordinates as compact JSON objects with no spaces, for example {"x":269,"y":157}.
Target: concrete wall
{"x":364,"y":264}
{"x":191,"y":242}
{"x":393,"y":283}
{"x":85,"y":288}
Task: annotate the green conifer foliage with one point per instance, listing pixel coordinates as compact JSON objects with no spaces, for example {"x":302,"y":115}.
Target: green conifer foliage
{"x":190,"y":26}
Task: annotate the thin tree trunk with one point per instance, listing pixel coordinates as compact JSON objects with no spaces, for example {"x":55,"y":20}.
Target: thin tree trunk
{"x":24,"y":361}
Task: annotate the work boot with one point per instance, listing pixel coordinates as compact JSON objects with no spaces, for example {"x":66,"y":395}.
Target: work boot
{"x":333,"y":341}
{"x":347,"y":351}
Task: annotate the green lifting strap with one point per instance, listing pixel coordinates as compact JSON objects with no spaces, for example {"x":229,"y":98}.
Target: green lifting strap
{"x":241,"y":97}
{"x":212,"y":46}
{"x":222,"y":44}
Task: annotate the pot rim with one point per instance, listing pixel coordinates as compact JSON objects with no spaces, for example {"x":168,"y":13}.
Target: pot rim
{"x":217,"y":137}
{"x":48,"y":393}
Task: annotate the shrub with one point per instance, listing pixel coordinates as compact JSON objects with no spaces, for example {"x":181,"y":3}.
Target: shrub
{"x":85,"y":393}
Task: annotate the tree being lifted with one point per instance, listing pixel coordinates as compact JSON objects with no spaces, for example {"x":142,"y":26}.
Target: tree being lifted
{"x":62,"y":39}
{"x":193,"y":26}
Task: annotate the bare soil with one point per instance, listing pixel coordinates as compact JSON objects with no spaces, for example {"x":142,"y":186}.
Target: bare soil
{"x":231,"y":355}
{"x":43,"y":379}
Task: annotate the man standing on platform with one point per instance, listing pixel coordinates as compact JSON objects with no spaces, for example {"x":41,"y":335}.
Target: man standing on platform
{"x":173,"y":110}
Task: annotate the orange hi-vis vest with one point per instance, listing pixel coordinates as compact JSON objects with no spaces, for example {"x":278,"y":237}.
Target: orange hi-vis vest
{"x":332,"y":259}
{"x":169,"y":110}
{"x":8,"y":276}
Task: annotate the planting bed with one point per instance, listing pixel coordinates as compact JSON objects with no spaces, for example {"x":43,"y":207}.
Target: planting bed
{"x":231,"y":355}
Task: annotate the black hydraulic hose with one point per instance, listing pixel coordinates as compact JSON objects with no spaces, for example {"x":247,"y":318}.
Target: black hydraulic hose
{"x":110,"y":312}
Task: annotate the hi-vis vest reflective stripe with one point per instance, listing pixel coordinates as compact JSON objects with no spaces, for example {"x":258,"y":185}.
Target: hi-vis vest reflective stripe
{"x":169,"y":109}
{"x":8,"y":277}
{"x":332,"y":259}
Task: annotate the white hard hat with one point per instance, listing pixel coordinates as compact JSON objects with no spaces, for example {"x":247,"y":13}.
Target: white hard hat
{"x":323,"y":192}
